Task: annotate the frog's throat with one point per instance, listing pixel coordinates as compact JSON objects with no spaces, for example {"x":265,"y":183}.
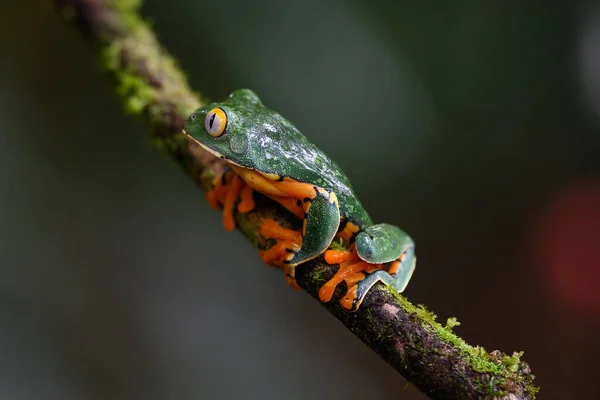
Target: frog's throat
{"x":268,"y":176}
{"x":211,"y":151}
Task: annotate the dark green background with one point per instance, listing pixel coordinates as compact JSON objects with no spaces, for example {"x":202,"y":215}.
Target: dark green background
{"x":461,"y":123}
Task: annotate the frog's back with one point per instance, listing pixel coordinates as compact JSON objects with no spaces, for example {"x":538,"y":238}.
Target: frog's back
{"x":286,"y":152}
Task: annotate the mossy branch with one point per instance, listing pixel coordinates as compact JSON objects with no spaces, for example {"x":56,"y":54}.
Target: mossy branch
{"x":426,"y":353}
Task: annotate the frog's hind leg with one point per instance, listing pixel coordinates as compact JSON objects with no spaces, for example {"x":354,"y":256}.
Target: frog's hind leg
{"x":381,"y":245}
{"x":350,"y":265}
{"x":397,"y":277}
{"x":380,"y":253}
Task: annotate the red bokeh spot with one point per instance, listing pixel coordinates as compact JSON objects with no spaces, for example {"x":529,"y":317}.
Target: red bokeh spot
{"x":569,"y":245}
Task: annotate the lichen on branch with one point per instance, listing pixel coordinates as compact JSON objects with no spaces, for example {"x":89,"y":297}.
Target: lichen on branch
{"x":152,"y":86}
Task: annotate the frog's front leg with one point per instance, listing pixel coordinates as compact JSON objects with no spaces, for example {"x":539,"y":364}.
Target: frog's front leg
{"x":225,"y":190}
{"x":397,"y":277}
{"x":287,"y":241}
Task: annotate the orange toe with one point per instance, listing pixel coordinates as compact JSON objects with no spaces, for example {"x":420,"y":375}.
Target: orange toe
{"x":348,"y":300}
{"x":277,"y":253}
{"x":232,"y":195}
{"x":345,"y":271}
{"x":290,"y":276}
{"x":213,"y":199}
{"x":246,"y":199}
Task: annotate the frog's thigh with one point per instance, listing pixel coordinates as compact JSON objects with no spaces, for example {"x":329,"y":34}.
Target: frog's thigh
{"x":320,"y":225}
{"x":382,"y":243}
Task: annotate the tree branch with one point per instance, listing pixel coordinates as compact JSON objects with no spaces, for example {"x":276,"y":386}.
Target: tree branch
{"x":426,"y":353}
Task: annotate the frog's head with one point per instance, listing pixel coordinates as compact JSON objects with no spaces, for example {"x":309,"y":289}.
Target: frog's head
{"x":226,"y":129}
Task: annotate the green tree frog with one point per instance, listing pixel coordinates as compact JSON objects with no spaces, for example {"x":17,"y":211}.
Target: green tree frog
{"x":267,"y":154}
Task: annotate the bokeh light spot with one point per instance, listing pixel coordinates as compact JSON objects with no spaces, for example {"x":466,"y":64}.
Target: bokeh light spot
{"x":568,"y":239}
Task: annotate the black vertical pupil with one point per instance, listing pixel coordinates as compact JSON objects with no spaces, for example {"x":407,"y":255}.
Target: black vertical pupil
{"x":212,"y":120}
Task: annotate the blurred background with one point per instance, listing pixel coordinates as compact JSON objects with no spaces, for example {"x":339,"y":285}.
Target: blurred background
{"x":475,"y":126}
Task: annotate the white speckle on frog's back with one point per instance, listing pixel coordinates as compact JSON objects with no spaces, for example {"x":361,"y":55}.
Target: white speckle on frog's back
{"x":264,"y":141}
{"x":309,"y":155}
{"x":270,"y":128}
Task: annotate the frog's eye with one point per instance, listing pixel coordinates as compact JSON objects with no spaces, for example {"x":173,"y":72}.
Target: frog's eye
{"x":215,"y":122}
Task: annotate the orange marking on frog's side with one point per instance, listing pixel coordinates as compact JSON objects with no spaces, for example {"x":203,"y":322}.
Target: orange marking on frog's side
{"x":263,"y":183}
{"x":394,"y":267}
{"x":290,"y":204}
{"x":349,"y":231}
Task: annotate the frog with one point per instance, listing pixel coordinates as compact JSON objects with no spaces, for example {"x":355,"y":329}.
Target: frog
{"x":265,"y":153}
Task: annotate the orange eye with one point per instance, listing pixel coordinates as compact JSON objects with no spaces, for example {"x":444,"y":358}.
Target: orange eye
{"x":215,"y":122}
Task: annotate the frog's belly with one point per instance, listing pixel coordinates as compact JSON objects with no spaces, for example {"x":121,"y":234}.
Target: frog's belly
{"x":270,"y":185}
{"x":294,"y":196}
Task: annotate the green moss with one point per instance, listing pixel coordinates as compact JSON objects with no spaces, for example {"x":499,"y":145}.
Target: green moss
{"x":138,"y":95}
{"x":134,"y":57}
{"x":422,"y":312}
{"x":501,"y":366}
{"x":479,"y":360}
{"x":136,"y":92}
{"x":451,"y":323}
{"x":337,"y":245}
{"x":513,"y":362}
{"x":127,"y":10}
{"x":476,"y":357}
{"x":318,"y":276}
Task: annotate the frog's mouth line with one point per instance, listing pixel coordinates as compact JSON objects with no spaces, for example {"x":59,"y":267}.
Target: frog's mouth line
{"x":211,"y":151}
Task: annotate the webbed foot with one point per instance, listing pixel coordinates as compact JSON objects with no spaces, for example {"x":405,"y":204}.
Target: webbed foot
{"x":360,"y":275}
{"x":352,"y":270}
{"x":396,"y":276}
